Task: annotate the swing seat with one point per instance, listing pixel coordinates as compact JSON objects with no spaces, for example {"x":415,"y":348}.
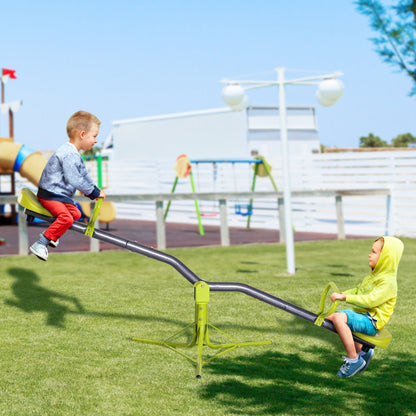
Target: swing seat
{"x":381,"y":339}
{"x":243,"y":209}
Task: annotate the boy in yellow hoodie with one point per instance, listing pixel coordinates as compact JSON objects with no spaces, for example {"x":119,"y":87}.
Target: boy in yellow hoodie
{"x":373,"y":301}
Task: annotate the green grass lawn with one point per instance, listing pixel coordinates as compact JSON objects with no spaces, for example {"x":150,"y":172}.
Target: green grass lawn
{"x":66,"y":329}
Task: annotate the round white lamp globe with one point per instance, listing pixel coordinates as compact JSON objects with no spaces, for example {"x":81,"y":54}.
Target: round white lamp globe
{"x":233,"y":94}
{"x":324,"y":101}
{"x":242,"y":106}
{"x":329,"y":91}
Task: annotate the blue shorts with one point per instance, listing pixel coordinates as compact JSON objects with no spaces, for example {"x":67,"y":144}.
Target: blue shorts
{"x":359,"y":322}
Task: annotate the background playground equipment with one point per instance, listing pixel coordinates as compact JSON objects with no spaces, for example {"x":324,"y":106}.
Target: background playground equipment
{"x":107,"y":212}
{"x":15,"y":157}
{"x":183,"y":169}
{"x":201,"y":292}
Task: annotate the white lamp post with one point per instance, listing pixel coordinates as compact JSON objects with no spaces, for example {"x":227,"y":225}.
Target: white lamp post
{"x":329,"y":91}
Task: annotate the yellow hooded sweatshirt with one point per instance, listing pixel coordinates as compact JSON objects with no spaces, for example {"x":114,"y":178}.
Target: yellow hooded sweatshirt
{"x":377,"y":293}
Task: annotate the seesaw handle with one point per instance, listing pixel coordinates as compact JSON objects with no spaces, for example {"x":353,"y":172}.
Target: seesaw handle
{"x":91,"y":224}
{"x":321,"y":314}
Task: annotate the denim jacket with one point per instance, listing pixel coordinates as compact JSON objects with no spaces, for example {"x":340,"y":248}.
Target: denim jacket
{"x":64,"y":174}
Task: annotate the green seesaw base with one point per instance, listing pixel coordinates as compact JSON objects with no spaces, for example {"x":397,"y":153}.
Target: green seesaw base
{"x":200,"y":336}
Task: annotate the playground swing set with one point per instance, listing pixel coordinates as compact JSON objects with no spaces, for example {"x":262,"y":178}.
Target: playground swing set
{"x":184,"y":169}
{"x":202,"y":289}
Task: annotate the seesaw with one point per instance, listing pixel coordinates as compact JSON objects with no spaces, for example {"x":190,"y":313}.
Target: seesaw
{"x":202,"y":289}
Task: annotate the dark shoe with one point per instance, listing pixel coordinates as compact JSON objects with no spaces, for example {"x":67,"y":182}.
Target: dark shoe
{"x":367,"y":358}
{"x":349,"y":369}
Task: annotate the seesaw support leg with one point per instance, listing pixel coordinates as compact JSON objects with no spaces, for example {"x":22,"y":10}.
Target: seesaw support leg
{"x":200,"y":335}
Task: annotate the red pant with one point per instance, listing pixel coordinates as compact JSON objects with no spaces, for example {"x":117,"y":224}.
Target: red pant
{"x":65,"y":215}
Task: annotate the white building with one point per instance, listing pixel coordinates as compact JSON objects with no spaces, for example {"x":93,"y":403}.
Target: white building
{"x":214,"y":134}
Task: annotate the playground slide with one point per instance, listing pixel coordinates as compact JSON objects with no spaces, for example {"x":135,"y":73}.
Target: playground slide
{"x":22,"y":159}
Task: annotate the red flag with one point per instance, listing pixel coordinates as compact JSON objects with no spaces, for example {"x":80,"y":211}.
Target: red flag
{"x":10,"y":72}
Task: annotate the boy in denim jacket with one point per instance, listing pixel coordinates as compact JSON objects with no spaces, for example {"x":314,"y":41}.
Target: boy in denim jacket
{"x":63,"y":175}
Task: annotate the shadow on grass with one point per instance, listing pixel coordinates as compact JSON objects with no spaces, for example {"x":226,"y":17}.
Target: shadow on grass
{"x":340,"y":274}
{"x":31,"y":297}
{"x":274,"y":383}
{"x":246,"y":271}
{"x":302,"y":328}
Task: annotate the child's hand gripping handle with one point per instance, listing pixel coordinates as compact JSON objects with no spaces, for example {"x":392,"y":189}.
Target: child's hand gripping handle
{"x":321,"y":314}
{"x":90,"y":227}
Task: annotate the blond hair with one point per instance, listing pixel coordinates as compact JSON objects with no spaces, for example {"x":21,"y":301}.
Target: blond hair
{"x":81,"y":120}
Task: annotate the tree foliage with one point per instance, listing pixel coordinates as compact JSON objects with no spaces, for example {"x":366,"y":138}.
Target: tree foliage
{"x":403,"y":140}
{"x":372,"y":141}
{"x":396,"y":33}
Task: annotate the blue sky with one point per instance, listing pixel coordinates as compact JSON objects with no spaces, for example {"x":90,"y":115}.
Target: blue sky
{"x":132,"y":58}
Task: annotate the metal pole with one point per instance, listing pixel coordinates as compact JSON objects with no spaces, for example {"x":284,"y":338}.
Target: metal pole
{"x":225,"y":232}
{"x":290,"y":249}
{"x":23,"y":233}
{"x":340,"y":217}
{"x":11,"y":128}
{"x":160,"y":226}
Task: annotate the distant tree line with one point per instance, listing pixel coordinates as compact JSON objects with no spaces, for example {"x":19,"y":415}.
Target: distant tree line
{"x":402,"y":140}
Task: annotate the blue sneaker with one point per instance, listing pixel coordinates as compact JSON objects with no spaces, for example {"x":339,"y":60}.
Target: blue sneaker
{"x":367,"y":358}
{"x":349,"y":369}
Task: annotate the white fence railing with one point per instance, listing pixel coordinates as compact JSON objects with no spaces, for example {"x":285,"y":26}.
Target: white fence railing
{"x":158,"y":200}
{"x":363,"y":214}
{"x":395,"y":170}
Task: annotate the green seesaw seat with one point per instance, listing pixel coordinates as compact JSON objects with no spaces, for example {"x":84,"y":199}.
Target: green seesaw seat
{"x":28,"y":200}
{"x":381,"y":339}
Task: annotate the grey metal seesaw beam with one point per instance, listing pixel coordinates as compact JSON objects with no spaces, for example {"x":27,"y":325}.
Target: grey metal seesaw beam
{"x":193,"y":278}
